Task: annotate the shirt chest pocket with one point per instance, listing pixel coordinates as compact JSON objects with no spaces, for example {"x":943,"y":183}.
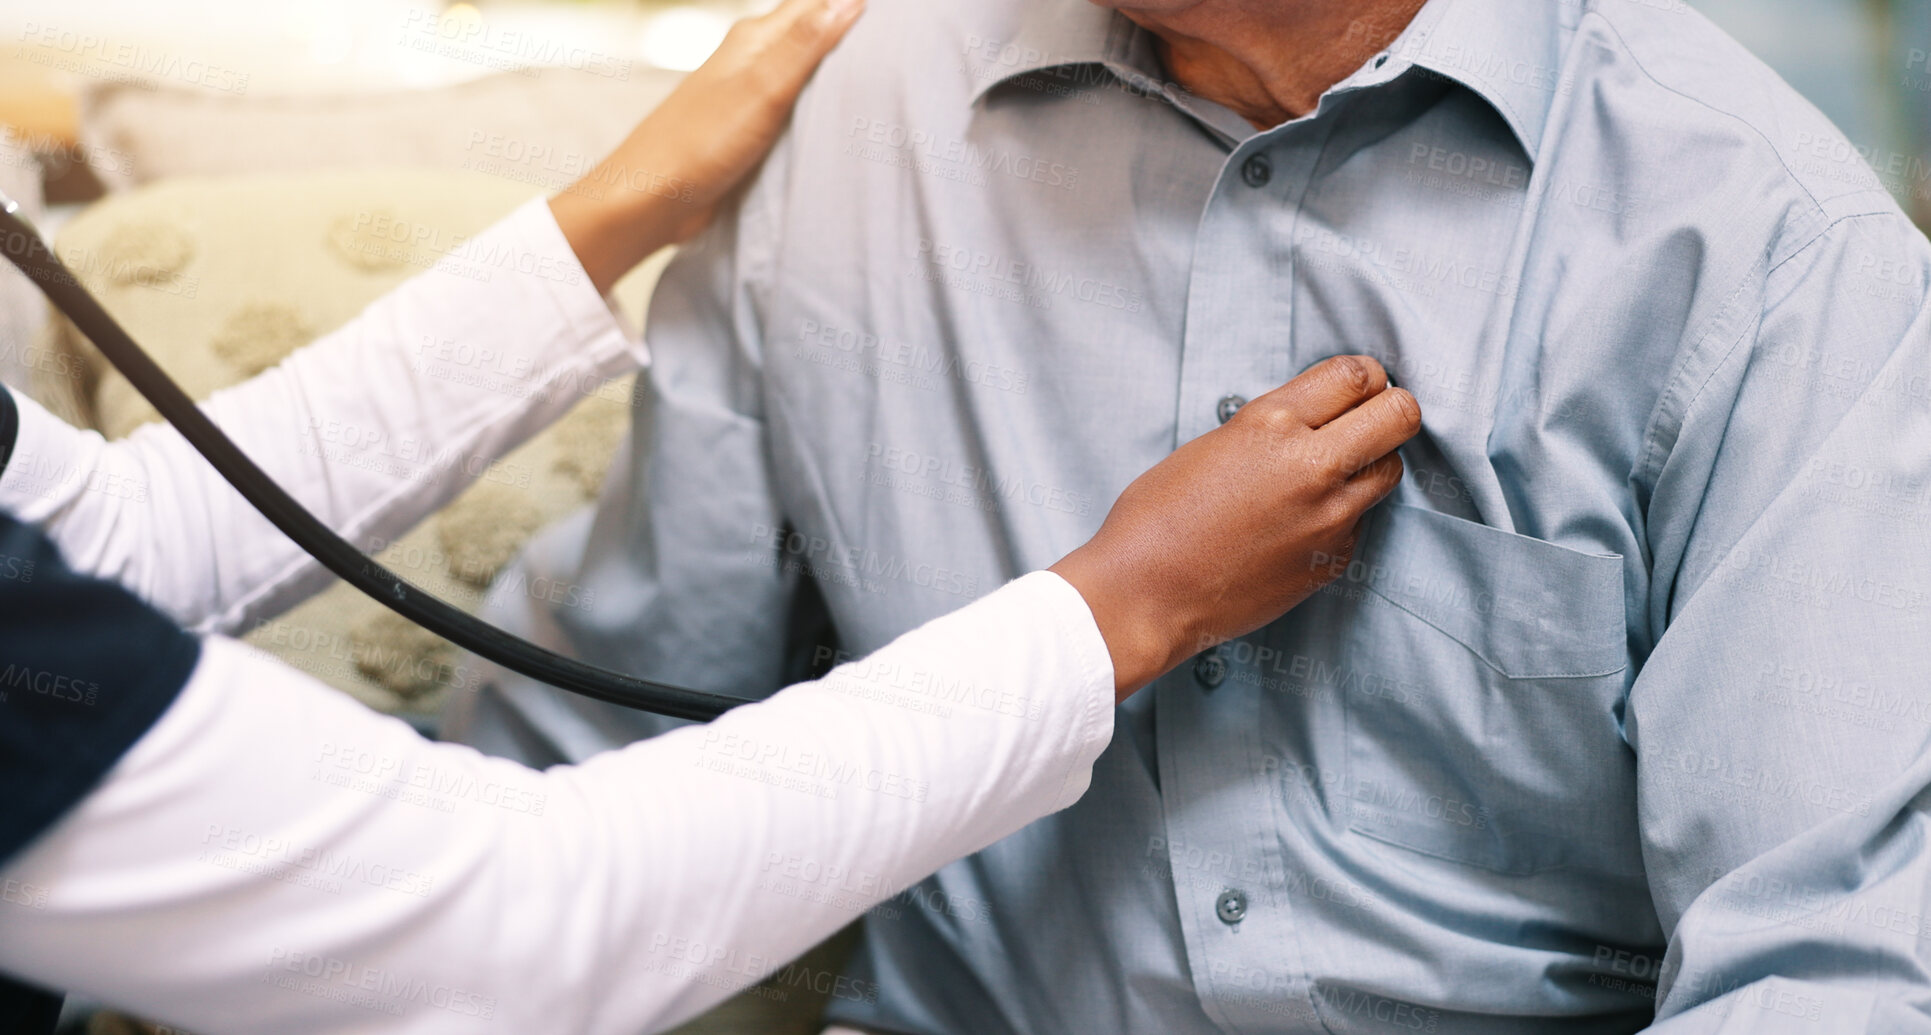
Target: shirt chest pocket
{"x":1498,"y":744}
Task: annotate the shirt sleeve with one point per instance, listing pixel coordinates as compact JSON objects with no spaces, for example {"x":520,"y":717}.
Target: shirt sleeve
{"x":371,"y":427}
{"x":1780,"y":721}
{"x":272,"y":857}
{"x":679,"y":556}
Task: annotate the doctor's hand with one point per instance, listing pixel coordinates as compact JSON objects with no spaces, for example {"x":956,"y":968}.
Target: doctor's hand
{"x":664,"y":182}
{"x":1241,"y":524}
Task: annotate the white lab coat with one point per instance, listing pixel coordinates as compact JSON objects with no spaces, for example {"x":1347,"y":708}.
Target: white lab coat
{"x":270,"y":857}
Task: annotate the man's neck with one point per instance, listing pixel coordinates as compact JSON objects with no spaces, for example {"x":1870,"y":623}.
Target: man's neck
{"x":1270,"y":60}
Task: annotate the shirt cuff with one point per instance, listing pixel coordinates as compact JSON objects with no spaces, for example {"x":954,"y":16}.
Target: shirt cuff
{"x":594,"y":317}
{"x":1060,"y":609}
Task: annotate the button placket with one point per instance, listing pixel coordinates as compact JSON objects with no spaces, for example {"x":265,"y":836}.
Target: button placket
{"x":1238,"y":342}
{"x":1238,"y":328}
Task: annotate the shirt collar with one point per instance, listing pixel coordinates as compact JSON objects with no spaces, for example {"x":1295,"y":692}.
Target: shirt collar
{"x":1025,"y":37}
{"x":1507,"y":52}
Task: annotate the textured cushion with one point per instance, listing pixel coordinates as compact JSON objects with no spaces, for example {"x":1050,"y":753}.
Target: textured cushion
{"x":221,"y":277}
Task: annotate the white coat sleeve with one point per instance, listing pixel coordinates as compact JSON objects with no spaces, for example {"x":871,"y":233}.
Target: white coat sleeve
{"x":371,"y":427}
{"x":271,"y":857}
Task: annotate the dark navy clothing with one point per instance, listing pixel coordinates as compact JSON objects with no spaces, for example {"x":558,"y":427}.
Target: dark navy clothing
{"x":9,"y":426}
{"x":85,"y":669}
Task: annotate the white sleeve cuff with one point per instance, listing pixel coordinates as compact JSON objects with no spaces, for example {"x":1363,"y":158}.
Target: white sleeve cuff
{"x":596,"y":317}
{"x":1071,"y":622}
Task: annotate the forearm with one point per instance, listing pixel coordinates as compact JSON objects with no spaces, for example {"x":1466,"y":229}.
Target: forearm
{"x":372,"y":427}
{"x":273,"y":858}
{"x":843,"y":792}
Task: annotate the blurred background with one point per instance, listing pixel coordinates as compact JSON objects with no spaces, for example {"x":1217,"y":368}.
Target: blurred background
{"x":236,"y":177}
{"x":1862,"y":61}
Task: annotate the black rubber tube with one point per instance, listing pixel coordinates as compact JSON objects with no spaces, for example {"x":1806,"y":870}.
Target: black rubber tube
{"x":25,"y":248}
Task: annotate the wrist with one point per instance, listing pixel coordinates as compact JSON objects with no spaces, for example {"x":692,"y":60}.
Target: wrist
{"x":612,"y":227}
{"x":1143,"y":639}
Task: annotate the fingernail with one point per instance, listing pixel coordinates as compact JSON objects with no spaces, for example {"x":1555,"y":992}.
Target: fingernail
{"x":843,"y":8}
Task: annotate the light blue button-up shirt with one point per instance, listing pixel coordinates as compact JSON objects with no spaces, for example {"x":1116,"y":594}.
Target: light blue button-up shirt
{"x":1620,"y":709}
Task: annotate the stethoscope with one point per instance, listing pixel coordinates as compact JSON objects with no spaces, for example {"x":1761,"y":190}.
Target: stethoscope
{"x":26,"y":249}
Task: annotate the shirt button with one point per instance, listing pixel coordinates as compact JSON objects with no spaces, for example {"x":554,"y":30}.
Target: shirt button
{"x":1231,"y":907}
{"x":1228,"y":406}
{"x":1210,"y":669}
{"x":1257,"y":170}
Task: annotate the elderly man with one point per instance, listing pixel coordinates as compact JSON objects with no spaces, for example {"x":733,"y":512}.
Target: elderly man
{"x":1618,"y":716}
